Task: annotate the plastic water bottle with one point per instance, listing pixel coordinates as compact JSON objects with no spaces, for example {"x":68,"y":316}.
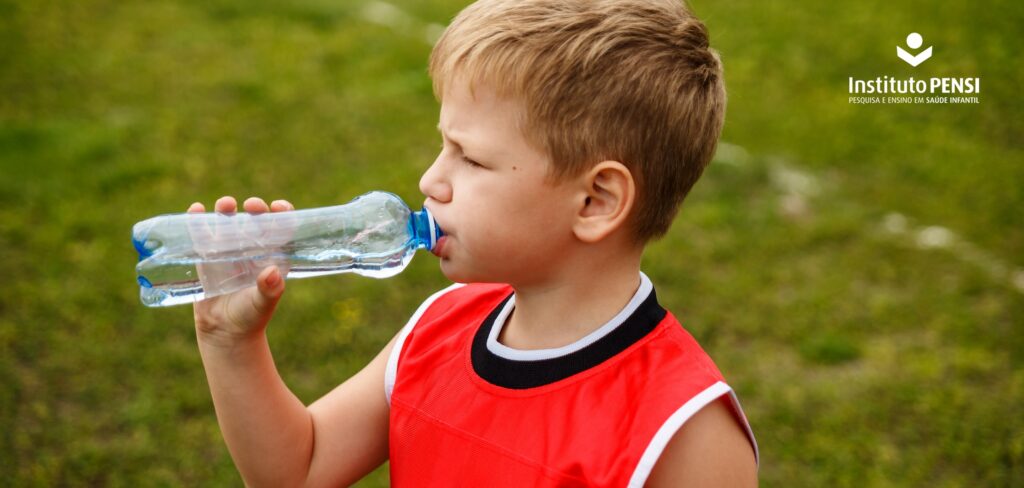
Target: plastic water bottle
{"x":188,"y":257}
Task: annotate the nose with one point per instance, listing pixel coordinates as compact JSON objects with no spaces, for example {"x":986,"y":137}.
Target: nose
{"x":435,"y":183}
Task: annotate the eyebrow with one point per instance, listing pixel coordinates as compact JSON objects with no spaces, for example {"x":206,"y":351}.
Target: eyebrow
{"x":457,"y":143}
{"x":476,"y":152}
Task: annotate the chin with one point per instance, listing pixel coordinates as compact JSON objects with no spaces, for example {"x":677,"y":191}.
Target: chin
{"x":459,"y":274}
{"x":453,"y":273}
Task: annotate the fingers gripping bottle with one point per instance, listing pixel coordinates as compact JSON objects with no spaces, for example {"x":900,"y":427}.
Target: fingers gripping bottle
{"x":188,"y":257}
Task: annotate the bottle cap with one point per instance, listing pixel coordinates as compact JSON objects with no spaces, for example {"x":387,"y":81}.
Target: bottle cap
{"x":426,"y":232}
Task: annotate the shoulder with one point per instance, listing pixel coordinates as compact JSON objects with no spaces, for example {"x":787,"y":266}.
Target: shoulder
{"x":706,"y":439}
{"x":438,"y":320}
{"x":710,"y":449}
{"x":455,"y":304}
{"x":459,"y":294}
{"x":452,"y":298}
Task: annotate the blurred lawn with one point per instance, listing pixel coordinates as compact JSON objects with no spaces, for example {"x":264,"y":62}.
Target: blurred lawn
{"x":862,"y":359}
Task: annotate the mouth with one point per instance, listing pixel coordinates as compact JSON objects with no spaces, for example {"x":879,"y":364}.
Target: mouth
{"x":438,"y":249}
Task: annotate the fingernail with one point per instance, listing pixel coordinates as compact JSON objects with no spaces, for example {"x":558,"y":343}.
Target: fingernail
{"x":274,"y":278}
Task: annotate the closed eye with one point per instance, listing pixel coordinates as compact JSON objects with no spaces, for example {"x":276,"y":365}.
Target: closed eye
{"x":464,"y":158}
{"x":471,"y":162}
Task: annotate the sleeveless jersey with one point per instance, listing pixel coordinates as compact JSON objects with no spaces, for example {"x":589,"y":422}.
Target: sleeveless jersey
{"x":469,"y":411}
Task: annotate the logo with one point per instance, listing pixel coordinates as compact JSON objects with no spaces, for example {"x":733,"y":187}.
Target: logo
{"x":914,"y":41}
{"x":886,"y":89}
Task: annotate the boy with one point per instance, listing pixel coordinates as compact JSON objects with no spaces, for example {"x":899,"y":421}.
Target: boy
{"x":571,"y":133}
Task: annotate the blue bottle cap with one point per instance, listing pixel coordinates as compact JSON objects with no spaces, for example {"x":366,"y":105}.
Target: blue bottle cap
{"x":425,"y":230}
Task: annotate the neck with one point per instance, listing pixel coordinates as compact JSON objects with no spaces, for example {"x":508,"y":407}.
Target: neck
{"x":578,"y":299}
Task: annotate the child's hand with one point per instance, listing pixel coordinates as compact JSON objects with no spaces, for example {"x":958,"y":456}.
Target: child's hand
{"x":227,"y":319}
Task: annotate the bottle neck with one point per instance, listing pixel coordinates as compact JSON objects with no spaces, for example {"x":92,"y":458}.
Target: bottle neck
{"x":425,"y":231}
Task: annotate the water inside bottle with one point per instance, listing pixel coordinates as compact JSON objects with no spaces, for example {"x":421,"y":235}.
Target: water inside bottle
{"x":178,"y":281}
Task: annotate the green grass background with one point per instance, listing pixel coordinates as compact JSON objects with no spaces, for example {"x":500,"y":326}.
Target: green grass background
{"x":862,"y":358}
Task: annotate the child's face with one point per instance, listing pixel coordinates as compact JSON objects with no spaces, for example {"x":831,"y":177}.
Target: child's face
{"x":505,"y":222}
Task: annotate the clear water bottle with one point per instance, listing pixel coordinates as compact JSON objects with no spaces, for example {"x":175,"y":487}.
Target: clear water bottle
{"x":187,"y":257}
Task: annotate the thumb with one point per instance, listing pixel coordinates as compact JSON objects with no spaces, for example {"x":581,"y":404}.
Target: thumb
{"x":270,"y":287}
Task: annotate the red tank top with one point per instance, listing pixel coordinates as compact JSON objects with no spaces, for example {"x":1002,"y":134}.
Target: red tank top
{"x":468,"y":411}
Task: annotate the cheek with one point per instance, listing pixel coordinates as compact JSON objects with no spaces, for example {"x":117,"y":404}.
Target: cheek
{"x":502,"y":218}
{"x":490,"y":235}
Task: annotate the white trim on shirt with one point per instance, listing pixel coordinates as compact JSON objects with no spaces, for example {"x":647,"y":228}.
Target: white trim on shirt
{"x":391,"y":372}
{"x":676,"y":421}
{"x":501,"y":350}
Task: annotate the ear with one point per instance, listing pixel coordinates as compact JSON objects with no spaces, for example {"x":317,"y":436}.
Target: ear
{"x":606,"y":198}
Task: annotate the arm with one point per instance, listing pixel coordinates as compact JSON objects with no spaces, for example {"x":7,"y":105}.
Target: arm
{"x":273,"y":438}
{"x":711,"y":449}
{"x":266,"y":427}
{"x":276,"y":441}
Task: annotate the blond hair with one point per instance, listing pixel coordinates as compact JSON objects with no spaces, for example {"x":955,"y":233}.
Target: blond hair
{"x":632,"y":81}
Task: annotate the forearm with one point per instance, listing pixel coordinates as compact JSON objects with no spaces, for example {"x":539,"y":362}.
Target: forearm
{"x":267,"y":429}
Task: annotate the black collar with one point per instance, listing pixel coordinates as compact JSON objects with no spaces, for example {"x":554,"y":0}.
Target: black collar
{"x":523,"y":374}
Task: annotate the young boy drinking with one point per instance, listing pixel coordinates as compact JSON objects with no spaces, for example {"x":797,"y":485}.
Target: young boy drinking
{"x":572,"y":131}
